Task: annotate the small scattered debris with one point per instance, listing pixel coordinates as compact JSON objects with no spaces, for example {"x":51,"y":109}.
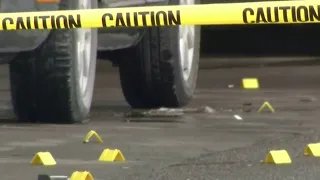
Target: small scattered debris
{"x":50,"y":177}
{"x":237,"y":117}
{"x":247,"y":107}
{"x":114,"y":114}
{"x":162,"y":109}
{"x":307,"y":99}
{"x":153,"y":113}
{"x":230,"y":86}
{"x":168,"y":112}
{"x":207,"y":109}
{"x":154,"y":120}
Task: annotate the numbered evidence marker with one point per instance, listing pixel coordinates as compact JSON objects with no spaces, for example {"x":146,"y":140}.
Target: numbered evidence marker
{"x":278,"y":157}
{"x":110,"y":155}
{"x":268,"y":105}
{"x":250,"y":83}
{"x":312,"y":150}
{"x":43,"y":158}
{"x":90,"y":134}
{"x":81,"y":175}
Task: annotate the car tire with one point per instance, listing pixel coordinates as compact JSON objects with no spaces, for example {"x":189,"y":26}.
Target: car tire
{"x":54,"y":83}
{"x":152,"y":73}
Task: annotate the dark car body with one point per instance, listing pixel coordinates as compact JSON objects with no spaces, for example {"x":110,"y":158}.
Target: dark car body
{"x":27,"y":40}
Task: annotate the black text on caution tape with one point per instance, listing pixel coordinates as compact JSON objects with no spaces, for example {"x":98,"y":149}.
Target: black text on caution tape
{"x":143,"y":18}
{"x":286,"y":14}
{"x":42,"y":22}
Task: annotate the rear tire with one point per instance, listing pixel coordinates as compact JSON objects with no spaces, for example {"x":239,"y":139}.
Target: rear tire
{"x":54,"y":83}
{"x":153,"y":73}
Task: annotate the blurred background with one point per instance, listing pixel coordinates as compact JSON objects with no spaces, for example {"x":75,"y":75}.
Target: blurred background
{"x":259,"y":45}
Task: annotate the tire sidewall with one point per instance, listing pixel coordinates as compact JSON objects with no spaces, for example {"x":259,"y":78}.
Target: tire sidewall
{"x":185,"y":88}
{"x":82,"y":107}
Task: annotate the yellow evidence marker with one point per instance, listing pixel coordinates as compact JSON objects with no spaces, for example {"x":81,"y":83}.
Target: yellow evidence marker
{"x":43,"y":158}
{"x":90,"y":134}
{"x":312,"y":150}
{"x":250,"y":83}
{"x":268,"y":105}
{"x":278,"y":157}
{"x":110,"y":155}
{"x":81,"y":175}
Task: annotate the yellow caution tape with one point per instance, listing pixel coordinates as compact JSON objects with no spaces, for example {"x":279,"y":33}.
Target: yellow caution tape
{"x":273,"y":12}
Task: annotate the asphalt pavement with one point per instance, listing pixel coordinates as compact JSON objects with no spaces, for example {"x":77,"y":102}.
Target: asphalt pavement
{"x":195,"y":146}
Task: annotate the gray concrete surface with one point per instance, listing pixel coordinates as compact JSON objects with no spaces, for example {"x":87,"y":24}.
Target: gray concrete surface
{"x":194,"y":147}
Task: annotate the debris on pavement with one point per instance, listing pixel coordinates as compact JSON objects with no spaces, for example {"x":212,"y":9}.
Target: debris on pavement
{"x":49,"y":177}
{"x":207,"y":109}
{"x":237,"y":117}
{"x":153,"y":113}
{"x":307,"y":99}
{"x":169,"y":112}
{"x":247,"y":107}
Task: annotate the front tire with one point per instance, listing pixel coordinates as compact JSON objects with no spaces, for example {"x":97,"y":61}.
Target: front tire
{"x":55,"y":82}
{"x":157,"y":71}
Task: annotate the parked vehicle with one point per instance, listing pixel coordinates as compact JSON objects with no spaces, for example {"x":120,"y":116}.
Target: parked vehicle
{"x":52,"y":72}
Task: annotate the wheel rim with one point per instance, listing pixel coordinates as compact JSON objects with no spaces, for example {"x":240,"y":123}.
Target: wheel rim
{"x":83,"y":53}
{"x":186,"y":44}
